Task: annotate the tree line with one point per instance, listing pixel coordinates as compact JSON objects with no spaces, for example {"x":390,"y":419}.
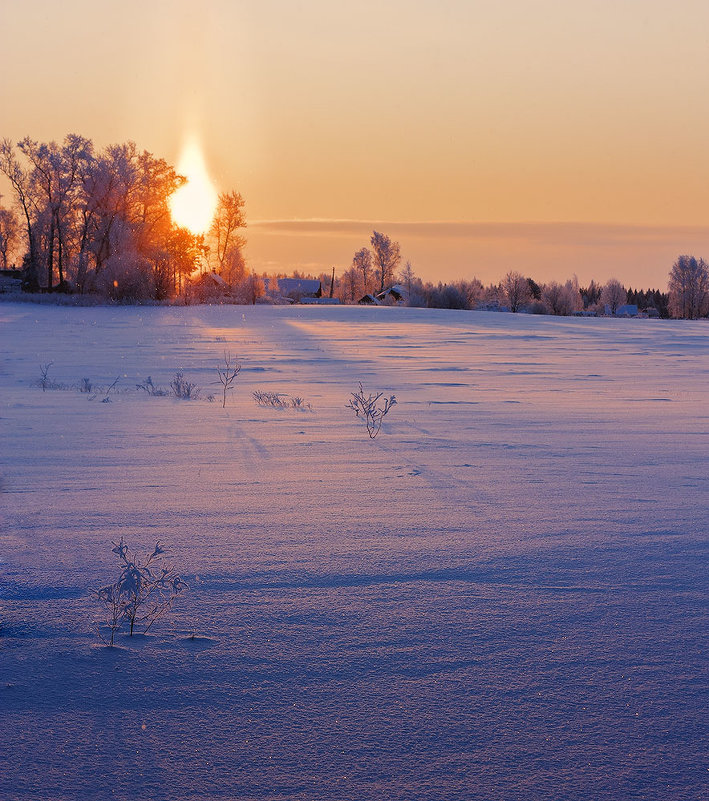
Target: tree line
{"x":371,"y":270}
{"x":100,"y":222}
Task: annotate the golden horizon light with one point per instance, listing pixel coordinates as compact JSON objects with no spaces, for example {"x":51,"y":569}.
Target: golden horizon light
{"x":193,"y":205}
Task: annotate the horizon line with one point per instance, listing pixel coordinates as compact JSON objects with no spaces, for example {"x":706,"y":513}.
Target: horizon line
{"x":369,"y":221}
{"x":483,"y":224}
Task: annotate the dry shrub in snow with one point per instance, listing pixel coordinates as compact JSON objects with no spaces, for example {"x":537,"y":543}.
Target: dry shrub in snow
{"x":227,"y":375}
{"x":44,"y":380}
{"x":152,"y":390}
{"x":86,"y":387}
{"x":143,"y":592}
{"x":279,"y":400}
{"x":106,"y":398}
{"x":274,"y":399}
{"x":370,"y":409}
{"x":182,"y":388}
{"x":296,"y":402}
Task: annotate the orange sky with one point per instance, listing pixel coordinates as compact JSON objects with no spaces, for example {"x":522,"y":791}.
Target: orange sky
{"x":524,"y":111}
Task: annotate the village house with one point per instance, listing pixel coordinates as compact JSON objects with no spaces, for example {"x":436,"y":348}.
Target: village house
{"x":393,"y":296}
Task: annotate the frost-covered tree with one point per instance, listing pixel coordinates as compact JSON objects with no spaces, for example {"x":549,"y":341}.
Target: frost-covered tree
{"x":56,"y":175}
{"x":106,"y":228}
{"x":9,"y":235}
{"x":473,"y":291}
{"x":386,"y":256}
{"x":516,"y":289}
{"x":20,"y":179}
{"x":413,"y":286}
{"x":234,"y":270}
{"x":131,"y":225}
{"x":613,"y":295}
{"x":351,"y":285}
{"x":101,"y":221}
{"x":227,"y":243}
{"x":252,"y":288}
{"x":151,"y":219}
{"x":562,"y":299}
{"x":591,"y":294}
{"x":689,"y":288}
{"x":406,"y":277}
{"x":362,"y":263}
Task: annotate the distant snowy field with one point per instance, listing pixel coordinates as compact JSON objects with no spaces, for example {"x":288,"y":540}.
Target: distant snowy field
{"x":503,"y":596}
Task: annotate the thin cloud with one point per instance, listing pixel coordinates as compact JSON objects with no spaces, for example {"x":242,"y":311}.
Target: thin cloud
{"x":577,"y":233}
{"x":638,"y":255}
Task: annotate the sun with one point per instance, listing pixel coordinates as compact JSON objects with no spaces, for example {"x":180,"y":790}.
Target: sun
{"x":193,"y":205}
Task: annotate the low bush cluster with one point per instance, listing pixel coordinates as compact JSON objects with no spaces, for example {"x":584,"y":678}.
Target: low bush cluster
{"x":372,"y":408}
{"x":279,"y":400}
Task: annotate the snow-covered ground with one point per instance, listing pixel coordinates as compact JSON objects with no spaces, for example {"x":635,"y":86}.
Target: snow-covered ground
{"x":502,"y":596}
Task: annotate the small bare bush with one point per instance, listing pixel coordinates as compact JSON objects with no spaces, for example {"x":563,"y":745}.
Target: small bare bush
{"x":279,"y":400}
{"x":182,"y":388}
{"x":151,"y":389}
{"x":106,"y":398}
{"x":371,"y":408}
{"x":227,"y":374}
{"x":94,"y":391}
{"x":143,"y":592}
{"x":300,"y":403}
{"x":44,"y":380}
{"x":274,"y":399}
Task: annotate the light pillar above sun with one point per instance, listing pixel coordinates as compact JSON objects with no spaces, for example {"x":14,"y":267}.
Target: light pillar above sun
{"x":193,"y":204}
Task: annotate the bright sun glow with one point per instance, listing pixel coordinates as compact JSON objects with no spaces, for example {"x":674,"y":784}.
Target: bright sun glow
{"x":193,"y":205}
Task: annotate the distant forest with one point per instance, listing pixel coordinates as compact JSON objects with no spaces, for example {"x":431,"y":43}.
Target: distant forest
{"x":98,"y":224}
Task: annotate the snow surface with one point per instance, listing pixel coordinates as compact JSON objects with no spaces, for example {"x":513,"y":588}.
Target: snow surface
{"x":503,"y":596}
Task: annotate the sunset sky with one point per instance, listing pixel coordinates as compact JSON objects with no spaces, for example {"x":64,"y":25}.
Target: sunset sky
{"x":506,"y":118}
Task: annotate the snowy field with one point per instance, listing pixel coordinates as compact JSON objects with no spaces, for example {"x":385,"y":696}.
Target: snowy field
{"x":502,"y":596}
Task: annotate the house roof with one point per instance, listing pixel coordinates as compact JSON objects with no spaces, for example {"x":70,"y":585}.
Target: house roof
{"x":213,"y":278}
{"x":396,"y":291}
